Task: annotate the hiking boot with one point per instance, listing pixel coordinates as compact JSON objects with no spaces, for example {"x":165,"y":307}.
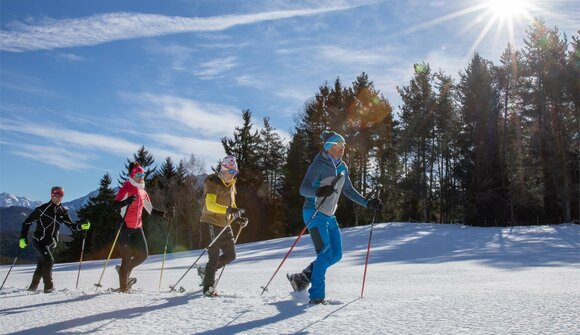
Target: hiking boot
{"x":320,"y":301}
{"x":298,"y":281}
{"x":33,"y":287}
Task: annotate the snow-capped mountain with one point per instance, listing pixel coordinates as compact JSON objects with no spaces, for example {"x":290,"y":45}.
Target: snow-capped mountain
{"x":9,"y":200}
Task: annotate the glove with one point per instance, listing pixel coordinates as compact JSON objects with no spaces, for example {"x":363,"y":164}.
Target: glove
{"x":325,"y":191}
{"x":130,"y":200}
{"x":376,"y":204}
{"x":159,"y":212}
{"x":243,"y":222}
{"x":85,"y":226}
{"x":235,"y":213}
{"x":22,"y":243}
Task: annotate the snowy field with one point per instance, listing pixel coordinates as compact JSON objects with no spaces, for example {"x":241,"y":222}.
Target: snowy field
{"x":422,"y":279}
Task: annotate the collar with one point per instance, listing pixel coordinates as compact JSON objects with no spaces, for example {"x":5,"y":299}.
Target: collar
{"x":335,"y":162}
{"x":136,"y":184}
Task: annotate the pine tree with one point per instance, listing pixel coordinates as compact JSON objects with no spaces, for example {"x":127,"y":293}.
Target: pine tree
{"x":104,"y":224}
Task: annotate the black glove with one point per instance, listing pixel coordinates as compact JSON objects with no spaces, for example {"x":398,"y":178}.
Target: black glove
{"x":235,"y":213}
{"x":375,"y":204}
{"x":325,"y":191}
{"x":243,"y":222}
{"x":130,"y":200}
{"x":158,"y":212}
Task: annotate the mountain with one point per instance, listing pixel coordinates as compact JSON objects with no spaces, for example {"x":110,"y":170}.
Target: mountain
{"x":421,"y":279}
{"x":9,"y":200}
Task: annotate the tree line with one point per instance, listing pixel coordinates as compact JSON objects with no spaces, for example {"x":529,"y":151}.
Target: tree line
{"x":498,"y":146}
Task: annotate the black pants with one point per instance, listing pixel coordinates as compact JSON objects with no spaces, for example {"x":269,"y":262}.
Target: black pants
{"x":133,"y":249}
{"x":225,"y":244}
{"x":44,"y":265}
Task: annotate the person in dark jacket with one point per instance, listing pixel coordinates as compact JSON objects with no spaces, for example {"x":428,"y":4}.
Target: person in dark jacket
{"x":219,"y":212}
{"x":48,"y":218}
{"x":324,"y":230}
{"x":131,"y":200}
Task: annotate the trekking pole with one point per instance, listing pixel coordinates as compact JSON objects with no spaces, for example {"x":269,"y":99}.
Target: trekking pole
{"x":368,"y":250}
{"x":334,"y":181}
{"x":172,"y":287}
{"x":81,"y":260}
{"x":165,"y":249}
{"x":112,"y":248}
{"x":14,"y":262}
{"x":224,"y":267}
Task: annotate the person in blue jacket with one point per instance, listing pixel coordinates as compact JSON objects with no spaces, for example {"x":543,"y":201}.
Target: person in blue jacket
{"x":324,"y":231}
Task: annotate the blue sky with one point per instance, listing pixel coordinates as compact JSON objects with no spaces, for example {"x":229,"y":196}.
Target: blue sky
{"x":85,"y":83}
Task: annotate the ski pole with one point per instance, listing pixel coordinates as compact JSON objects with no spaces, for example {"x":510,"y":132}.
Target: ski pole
{"x":112,"y":248}
{"x":224,"y":267}
{"x":334,"y":181}
{"x":368,"y":251}
{"x":165,"y":249}
{"x":81,"y":260}
{"x":14,"y":262}
{"x":172,"y":287}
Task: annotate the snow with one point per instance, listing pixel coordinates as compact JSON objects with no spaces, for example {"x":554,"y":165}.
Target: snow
{"x":422,"y":279}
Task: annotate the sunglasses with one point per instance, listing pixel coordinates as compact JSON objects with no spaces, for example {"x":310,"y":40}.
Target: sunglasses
{"x":233,"y":171}
{"x":139,"y":175}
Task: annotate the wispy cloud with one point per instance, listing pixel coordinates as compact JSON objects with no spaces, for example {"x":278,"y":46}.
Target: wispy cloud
{"x":58,"y":156}
{"x":71,"y":137}
{"x":205,"y":118}
{"x":213,"y":68}
{"x":97,"y":29}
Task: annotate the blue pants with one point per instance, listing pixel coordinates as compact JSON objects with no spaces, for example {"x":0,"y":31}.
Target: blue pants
{"x":327,"y":241}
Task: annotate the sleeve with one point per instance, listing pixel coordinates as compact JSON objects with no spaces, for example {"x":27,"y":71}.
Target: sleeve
{"x":147,"y":204}
{"x":121,"y":195}
{"x":307,"y":188}
{"x":212,"y":205}
{"x":349,"y":191}
{"x":66,"y":219}
{"x":35,"y":215}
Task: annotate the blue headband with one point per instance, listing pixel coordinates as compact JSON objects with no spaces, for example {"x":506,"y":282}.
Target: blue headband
{"x":332,"y":140}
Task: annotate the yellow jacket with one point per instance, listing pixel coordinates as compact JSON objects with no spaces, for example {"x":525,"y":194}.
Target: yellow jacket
{"x":218,"y":197}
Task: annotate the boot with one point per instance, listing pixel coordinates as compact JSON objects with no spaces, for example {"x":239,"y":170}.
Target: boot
{"x":320,"y":301}
{"x":33,"y":287}
{"x":48,"y":287}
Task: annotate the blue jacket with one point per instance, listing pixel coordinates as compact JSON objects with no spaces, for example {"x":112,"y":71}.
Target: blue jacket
{"x":321,"y":172}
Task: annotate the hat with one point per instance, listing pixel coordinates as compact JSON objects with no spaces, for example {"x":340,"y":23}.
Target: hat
{"x":57,"y":190}
{"x":330,"y":138}
{"x":229,"y":163}
{"x":134,"y":169}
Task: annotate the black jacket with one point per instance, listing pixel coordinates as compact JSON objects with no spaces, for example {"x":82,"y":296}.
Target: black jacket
{"x":48,"y":218}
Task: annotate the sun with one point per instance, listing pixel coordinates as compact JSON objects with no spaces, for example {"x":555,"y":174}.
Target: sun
{"x":508,"y":9}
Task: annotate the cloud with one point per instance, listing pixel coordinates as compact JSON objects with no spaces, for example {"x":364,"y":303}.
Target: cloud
{"x":213,"y":68}
{"x":208,"y":150}
{"x":71,"y":137}
{"x":98,"y":29}
{"x":57,"y":156}
{"x":206,"y":119}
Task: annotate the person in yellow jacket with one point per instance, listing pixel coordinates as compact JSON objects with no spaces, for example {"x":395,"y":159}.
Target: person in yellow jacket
{"x":219,"y":212}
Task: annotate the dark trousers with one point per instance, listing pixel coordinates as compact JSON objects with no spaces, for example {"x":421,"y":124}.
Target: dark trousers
{"x":44,"y":265}
{"x":224,"y":244}
{"x":133,"y":249}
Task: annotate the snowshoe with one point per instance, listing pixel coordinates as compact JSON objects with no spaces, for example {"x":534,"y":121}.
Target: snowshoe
{"x":132,"y":281}
{"x":49,"y":290}
{"x":297,"y":281}
{"x":210,"y":292}
{"x":318,"y":302}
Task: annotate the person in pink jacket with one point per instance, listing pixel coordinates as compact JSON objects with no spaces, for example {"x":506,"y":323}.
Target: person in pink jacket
{"x":131,"y":200}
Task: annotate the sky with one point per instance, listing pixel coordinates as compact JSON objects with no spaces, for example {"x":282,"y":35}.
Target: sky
{"x":83,"y":85}
{"x":493,"y":280}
